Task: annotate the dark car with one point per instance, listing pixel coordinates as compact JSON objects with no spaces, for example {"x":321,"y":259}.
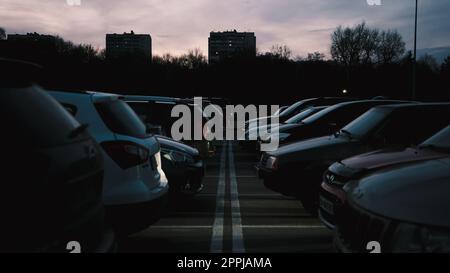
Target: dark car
{"x":52,"y":174}
{"x":182,"y":165}
{"x":253,"y":136}
{"x":296,"y":169}
{"x":326,"y":121}
{"x":332,"y":195}
{"x":403,"y":208}
{"x":155,"y":113}
{"x":296,"y":108}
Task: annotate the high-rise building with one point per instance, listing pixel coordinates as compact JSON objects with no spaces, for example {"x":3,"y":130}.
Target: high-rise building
{"x":230,"y":44}
{"x":128,"y":44}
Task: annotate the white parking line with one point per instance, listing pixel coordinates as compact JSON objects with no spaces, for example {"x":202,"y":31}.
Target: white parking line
{"x":182,"y":227}
{"x":285,"y":226}
{"x":243,"y":226}
{"x":261,"y":195}
{"x":217,"y":229}
{"x":238,"y":237}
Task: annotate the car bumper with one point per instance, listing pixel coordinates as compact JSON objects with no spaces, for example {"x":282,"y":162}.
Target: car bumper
{"x":330,"y":200}
{"x":131,"y":218}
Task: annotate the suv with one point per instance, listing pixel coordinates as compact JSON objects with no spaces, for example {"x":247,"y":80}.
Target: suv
{"x":325,"y":122}
{"x":381,"y":127}
{"x":52,"y":173}
{"x":259,"y":132}
{"x":156,"y":111}
{"x":296,"y":108}
{"x":135,"y":188}
{"x":332,"y":195}
{"x":404,"y":208}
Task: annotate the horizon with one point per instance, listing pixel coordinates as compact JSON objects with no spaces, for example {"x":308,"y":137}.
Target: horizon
{"x":304,"y":27}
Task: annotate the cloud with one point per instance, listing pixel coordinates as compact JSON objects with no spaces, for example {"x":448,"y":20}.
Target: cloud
{"x":176,"y":26}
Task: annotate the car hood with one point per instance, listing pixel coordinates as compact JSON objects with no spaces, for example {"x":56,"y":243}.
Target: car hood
{"x":172,"y":144}
{"x":372,"y":161}
{"x":417,"y":192}
{"x":328,"y":148}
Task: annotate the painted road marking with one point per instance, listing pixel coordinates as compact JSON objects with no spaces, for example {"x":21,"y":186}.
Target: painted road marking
{"x":217,"y":229}
{"x":238,"y":237}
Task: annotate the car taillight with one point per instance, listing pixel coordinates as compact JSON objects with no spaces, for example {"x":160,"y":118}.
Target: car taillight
{"x":126,"y":154}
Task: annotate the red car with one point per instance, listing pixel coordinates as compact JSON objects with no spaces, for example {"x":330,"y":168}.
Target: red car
{"x":332,"y":192}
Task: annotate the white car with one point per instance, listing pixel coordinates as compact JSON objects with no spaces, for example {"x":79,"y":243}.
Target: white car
{"x":135,"y":187}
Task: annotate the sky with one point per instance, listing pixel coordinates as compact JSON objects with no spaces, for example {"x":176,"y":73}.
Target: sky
{"x":179,"y":25}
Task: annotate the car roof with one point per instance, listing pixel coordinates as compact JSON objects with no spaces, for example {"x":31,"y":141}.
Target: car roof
{"x":369,"y":101}
{"x":95,"y":96}
{"x":399,"y":107}
{"x":138,"y":98}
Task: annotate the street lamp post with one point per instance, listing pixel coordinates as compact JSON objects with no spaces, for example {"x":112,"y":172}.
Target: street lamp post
{"x":415,"y":56}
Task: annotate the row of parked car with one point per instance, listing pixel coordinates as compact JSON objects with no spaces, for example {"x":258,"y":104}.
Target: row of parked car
{"x":373,"y":170}
{"x":83,"y":167}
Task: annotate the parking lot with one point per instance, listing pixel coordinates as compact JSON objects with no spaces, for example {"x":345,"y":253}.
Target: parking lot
{"x":234,"y":213}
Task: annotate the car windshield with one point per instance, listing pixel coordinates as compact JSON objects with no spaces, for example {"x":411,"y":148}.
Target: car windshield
{"x":365,"y":123}
{"x":291,"y":109}
{"x":121,"y":119}
{"x":441,"y":140}
{"x":31,"y":117}
{"x":319,"y":115}
{"x":302,"y":115}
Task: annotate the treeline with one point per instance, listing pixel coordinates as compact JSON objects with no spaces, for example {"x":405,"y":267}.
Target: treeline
{"x":366,"y":62}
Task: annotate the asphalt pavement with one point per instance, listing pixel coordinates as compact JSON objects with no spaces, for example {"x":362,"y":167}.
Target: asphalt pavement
{"x":234,"y":213}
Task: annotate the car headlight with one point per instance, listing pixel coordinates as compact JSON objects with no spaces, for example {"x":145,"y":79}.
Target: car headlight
{"x":177,"y":156}
{"x":272,"y":163}
{"x":422,"y":239}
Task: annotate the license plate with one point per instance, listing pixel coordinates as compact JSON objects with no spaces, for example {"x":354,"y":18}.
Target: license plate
{"x":326,"y":205}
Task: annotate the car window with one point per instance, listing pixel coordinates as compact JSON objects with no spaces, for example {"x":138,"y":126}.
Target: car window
{"x":121,"y":119}
{"x":302,"y":115}
{"x":441,"y":139}
{"x":292,"y":109}
{"x":367,"y":122}
{"x":412,"y":126}
{"x":31,"y":117}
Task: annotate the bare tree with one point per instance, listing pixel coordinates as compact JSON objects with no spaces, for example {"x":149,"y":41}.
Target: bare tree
{"x":391,"y":47}
{"x":315,"y":57}
{"x":429,"y":61}
{"x":445,"y":67}
{"x":2,"y":34}
{"x":281,"y":52}
{"x":193,"y":59}
{"x":354,"y":46}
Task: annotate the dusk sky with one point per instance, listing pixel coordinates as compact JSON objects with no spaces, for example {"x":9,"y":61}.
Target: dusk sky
{"x":178,"y":25}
